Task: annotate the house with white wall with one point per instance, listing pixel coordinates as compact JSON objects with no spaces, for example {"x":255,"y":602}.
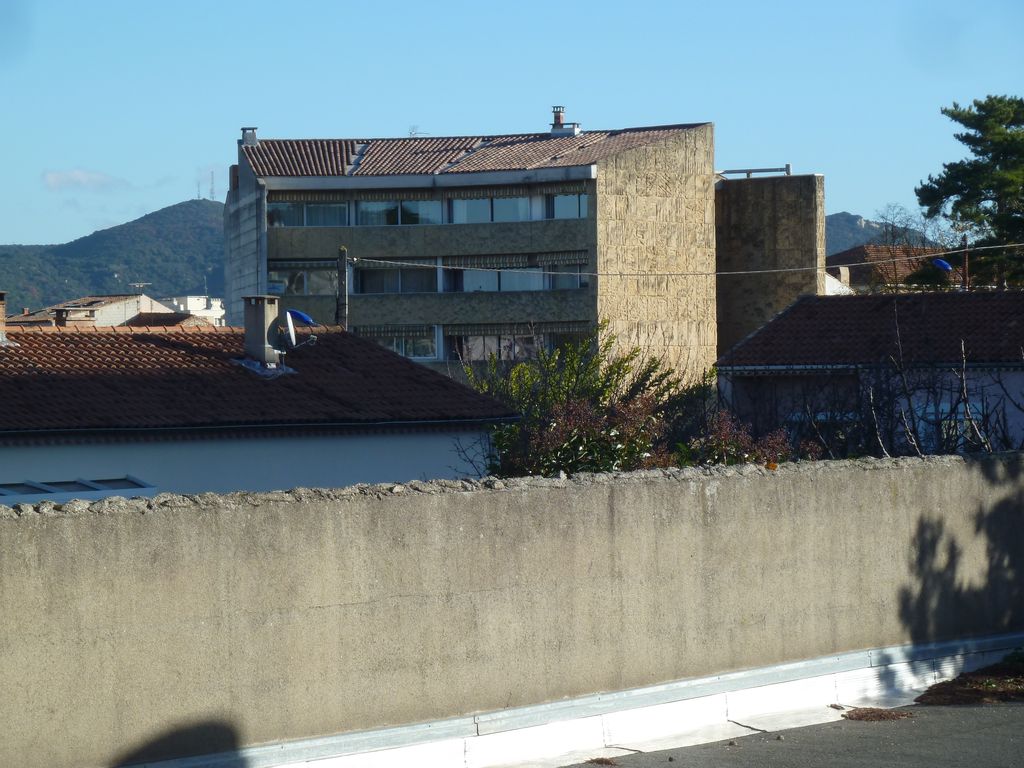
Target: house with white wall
{"x":937,"y":372}
{"x":92,"y":411}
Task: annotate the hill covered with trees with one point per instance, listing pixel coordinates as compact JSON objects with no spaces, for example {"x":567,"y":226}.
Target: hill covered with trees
{"x":178,"y":250}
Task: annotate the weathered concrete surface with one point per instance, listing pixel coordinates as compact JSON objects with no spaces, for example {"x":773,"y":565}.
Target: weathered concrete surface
{"x":770,"y":223}
{"x":308,"y":613}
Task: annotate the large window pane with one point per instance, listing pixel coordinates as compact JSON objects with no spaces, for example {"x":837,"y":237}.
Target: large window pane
{"x":376,"y":214}
{"x":420,"y":346}
{"x":419,"y":280}
{"x":421,"y":211}
{"x":377,"y":280}
{"x":564,"y":277}
{"x":286,"y":282}
{"x":563,"y":206}
{"x":526,"y":347}
{"x":522,"y":280}
{"x":326,"y":214}
{"x":322,"y":282}
{"x":471,"y":211}
{"x":511,"y":209}
{"x":479,"y":280}
{"x":284,"y":214}
{"x":584,"y":202}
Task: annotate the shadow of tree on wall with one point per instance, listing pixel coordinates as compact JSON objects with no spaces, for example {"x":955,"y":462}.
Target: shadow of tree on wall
{"x":210,"y":743}
{"x":943,"y":604}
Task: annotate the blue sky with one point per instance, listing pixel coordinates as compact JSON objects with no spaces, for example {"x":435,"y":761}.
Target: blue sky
{"x":114,"y":109}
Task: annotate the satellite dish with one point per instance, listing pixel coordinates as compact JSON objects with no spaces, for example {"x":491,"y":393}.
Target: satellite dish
{"x":942,"y":264}
{"x":290,"y":328}
{"x":301,"y":316}
{"x":291,"y":316}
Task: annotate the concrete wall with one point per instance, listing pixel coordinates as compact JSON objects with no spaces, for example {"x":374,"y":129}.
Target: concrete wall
{"x":317,"y":612}
{"x":775,"y":222}
{"x":656,"y":215}
{"x":245,"y":229}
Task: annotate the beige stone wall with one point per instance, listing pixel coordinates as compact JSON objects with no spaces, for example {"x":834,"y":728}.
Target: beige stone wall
{"x":310,"y":613}
{"x":774,"y":222}
{"x":656,"y":215}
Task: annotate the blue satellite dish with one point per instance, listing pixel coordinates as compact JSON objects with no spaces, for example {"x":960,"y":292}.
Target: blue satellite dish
{"x":940,"y":263}
{"x":301,"y":316}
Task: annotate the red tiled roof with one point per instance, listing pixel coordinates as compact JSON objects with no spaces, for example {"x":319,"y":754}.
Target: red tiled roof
{"x":881,"y":263}
{"x":183,"y":377}
{"x":926,"y":328}
{"x":455,"y":154}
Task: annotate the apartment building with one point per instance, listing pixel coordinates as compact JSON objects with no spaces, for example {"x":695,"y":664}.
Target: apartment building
{"x":459,"y":247}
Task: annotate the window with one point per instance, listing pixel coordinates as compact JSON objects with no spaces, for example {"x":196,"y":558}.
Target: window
{"x":521,"y":280}
{"x":305,"y":280}
{"x":565,"y":276}
{"x":471,"y":211}
{"x":416,"y":346}
{"x":377,"y":281}
{"x":479,"y":280}
{"x":502,"y":346}
{"x":470,"y":280}
{"x":421,"y":212}
{"x":284,"y":215}
{"x":567,"y":206}
{"x":376,"y":214}
{"x":399,"y":280}
{"x":326,"y":214}
{"x":511,"y":209}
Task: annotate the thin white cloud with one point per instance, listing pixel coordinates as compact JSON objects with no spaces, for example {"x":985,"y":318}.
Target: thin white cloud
{"x":78,"y":178}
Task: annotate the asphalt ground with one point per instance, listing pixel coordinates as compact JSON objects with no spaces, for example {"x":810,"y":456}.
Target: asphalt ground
{"x":985,"y":736}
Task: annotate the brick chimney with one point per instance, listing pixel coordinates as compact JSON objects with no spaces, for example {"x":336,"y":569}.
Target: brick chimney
{"x":558,"y":125}
{"x":261,"y":335}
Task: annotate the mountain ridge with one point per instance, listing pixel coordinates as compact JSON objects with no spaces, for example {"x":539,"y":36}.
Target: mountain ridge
{"x":179,"y":250}
{"x":176,"y":250}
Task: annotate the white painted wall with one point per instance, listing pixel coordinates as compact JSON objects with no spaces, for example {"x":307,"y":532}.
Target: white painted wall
{"x":250,"y":464}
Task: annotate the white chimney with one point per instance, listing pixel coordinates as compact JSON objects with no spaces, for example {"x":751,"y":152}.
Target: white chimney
{"x":249,"y":136}
{"x":261,"y":335}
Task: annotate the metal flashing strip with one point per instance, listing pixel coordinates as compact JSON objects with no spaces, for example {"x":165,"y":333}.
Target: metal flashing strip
{"x":607,"y":717}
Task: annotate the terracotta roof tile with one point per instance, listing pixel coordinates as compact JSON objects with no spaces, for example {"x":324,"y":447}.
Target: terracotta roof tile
{"x":133,"y":378}
{"x":881,"y":263}
{"x":454,"y":154}
{"x":926,"y":328}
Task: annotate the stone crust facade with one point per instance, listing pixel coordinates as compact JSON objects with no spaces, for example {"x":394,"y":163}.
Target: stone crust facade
{"x":772,"y":223}
{"x":656,"y":249}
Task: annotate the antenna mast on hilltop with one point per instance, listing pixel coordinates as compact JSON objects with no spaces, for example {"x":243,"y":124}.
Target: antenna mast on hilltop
{"x":211,"y":186}
{"x":198,"y":195}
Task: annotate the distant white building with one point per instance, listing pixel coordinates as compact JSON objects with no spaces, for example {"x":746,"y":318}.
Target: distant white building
{"x":207,"y":307}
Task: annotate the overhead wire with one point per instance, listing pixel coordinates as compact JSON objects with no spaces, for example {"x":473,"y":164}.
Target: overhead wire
{"x":777,"y":270}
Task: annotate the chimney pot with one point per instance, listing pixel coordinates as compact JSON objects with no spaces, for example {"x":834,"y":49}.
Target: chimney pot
{"x":249,"y":136}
